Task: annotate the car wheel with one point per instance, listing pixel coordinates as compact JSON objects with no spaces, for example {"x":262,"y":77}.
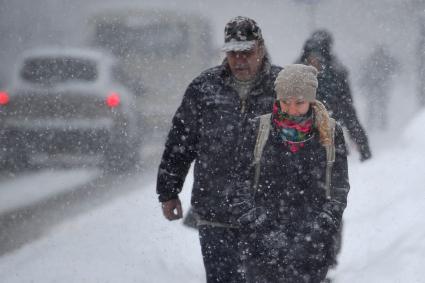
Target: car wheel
{"x":14,"y":152}
{"x":16,"y":161}
{"x":120,"y":158}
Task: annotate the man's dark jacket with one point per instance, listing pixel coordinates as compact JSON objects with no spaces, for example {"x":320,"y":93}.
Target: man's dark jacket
{"x":206,"y":129}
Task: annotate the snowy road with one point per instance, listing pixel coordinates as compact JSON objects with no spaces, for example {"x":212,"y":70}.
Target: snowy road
{"x":32,"y":203}
{"x":33,"y":219}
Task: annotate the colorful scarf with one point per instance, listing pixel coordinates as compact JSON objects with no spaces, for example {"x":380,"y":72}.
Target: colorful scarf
{"x":293,"y":131}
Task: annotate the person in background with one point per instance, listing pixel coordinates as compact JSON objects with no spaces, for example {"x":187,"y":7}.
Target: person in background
{"x":376,"y":79}
{"x":289,"y":210}
{"x":334,"y":89}
{"x":335,"y":93}
{"x":204,"y":130}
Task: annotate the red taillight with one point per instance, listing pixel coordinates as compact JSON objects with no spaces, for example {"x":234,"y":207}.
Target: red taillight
{"x":113,"y":100}
{"x":4,"y":98}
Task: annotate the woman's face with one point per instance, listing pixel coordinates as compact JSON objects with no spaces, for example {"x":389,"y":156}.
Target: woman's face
{"x":294,"y":106}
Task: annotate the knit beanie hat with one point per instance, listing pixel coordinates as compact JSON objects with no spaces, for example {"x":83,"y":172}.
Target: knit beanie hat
{"x":298,"y":81}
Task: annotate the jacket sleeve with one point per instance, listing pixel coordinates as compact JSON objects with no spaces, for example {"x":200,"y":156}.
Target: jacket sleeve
{"x":241,"y":199}
{"x":181,"y":145}
{"x":348,"y":117}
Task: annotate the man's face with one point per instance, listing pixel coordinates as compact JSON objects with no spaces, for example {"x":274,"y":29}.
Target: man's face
{"x":246,"y":64}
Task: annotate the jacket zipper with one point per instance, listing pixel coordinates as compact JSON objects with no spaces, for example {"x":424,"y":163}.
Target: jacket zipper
{"x":243,"y":105}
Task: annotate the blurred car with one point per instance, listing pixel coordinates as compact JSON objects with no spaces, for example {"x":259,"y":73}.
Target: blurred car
{"x":162,"y":51}
{"x":66,"y":102}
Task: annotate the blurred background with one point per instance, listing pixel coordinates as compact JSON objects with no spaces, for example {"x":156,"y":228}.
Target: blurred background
{"x":357,"y":26}
{"x":154,"y":49}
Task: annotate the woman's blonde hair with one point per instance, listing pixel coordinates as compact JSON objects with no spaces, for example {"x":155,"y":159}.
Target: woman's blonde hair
{"x":321,"y":122}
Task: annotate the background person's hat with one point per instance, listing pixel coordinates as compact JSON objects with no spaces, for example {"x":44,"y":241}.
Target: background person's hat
{"x":240,"y":34}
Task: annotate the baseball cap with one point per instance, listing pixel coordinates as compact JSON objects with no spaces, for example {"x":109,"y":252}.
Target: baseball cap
{"x":240,"y":34}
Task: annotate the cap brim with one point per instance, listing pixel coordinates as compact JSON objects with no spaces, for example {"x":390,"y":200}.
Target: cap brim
{"x":238,"y":46}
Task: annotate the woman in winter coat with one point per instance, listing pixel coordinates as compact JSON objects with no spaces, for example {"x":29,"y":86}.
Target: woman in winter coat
{"x":287,"y":209}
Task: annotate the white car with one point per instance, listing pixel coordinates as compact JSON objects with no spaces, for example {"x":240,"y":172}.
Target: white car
{"x":68,"y":101}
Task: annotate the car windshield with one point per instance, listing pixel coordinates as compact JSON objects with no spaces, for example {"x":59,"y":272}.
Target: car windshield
{"x":58,"y":70}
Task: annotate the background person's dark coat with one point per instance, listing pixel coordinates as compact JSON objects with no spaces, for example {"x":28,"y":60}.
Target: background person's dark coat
{"x":334,"y":90}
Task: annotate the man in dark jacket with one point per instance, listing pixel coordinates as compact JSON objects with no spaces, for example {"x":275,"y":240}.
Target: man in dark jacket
{"x":334,"y":89}
{"x":204,"y":130}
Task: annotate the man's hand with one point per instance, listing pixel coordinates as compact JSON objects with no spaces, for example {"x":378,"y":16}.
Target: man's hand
{"x":172,"y":209}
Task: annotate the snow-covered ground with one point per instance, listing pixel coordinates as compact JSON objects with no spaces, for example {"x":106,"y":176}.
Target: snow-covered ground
{"x":17,"y":192}
{"x":128,"y":240}
{"x":384,"y":231}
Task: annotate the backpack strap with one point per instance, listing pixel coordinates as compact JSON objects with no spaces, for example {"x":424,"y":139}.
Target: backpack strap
{"x":262,"y":137}
{"x":330,"y":158}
